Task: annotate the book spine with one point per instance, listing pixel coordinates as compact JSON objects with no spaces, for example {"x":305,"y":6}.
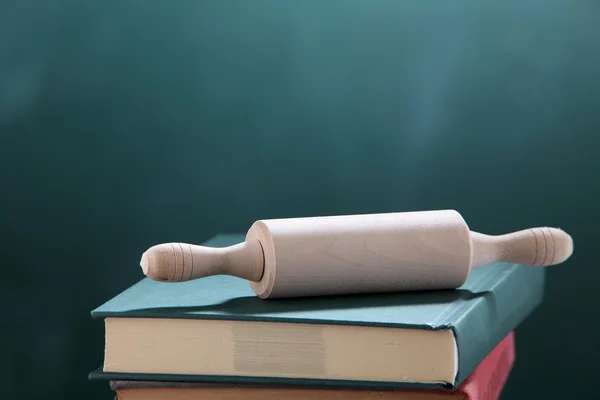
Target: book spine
{"x":518,"y":292}
{"x":489,"y":378}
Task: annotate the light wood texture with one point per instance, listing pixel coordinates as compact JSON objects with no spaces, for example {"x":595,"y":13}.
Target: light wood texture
{"x":351,"y":254}
{"x":537,"y":247}
{"x":362,"y":253}
{"x":179,"y":262}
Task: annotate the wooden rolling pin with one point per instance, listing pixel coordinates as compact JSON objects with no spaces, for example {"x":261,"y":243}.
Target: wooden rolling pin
{"x":351,"y":254}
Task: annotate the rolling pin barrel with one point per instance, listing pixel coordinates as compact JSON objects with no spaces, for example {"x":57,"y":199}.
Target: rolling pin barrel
{"x":362,"y":253}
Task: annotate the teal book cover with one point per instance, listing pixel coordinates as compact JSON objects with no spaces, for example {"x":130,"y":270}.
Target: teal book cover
{"x":494,"y":301}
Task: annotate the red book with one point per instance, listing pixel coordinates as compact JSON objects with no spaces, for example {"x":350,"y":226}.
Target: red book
{"x":487,"y":380}
{"x":485,"y":383}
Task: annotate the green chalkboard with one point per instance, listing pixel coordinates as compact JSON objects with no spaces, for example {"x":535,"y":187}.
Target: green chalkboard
{"x":128,"y":123}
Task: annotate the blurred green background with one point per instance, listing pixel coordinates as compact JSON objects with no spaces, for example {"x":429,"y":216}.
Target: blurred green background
{"x":128,"y":123}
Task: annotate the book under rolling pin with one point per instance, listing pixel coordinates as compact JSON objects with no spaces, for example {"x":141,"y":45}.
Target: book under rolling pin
{"x":351,"y":254}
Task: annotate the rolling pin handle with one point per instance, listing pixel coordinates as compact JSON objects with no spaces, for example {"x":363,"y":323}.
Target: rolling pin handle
{"x":536,"y":247}
{"x":179,"y":262}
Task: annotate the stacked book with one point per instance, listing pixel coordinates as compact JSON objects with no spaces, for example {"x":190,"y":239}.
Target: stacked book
{"x":213,"y":338}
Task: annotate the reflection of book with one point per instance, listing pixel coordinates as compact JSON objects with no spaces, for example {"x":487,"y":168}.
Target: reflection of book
{"x":216,"y":330}
{"x":484,"y":383}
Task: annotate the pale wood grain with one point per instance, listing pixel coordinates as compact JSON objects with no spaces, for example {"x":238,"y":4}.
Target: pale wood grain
{"x":349,"y":254}
{"x":536,"y":246}
{"x":362,"y":253}
{"x":179,"y":262}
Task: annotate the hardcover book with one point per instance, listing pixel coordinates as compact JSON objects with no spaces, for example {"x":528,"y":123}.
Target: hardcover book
{"x":216,"y":330}
{"x":484,"y":383}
